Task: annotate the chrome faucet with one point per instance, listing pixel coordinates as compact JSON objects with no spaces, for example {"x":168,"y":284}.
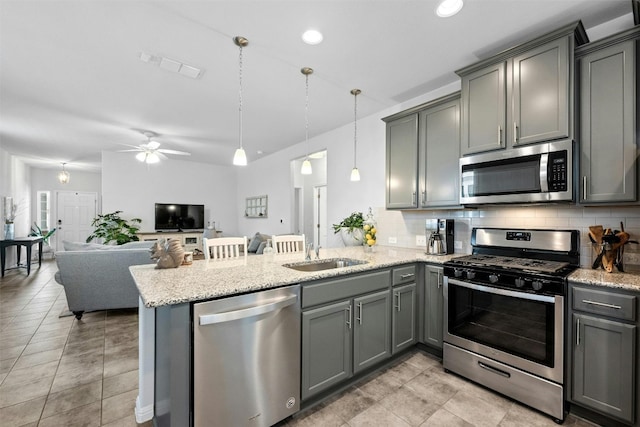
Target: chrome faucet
{"x":308,"y":252}
{"x":318,"y":252}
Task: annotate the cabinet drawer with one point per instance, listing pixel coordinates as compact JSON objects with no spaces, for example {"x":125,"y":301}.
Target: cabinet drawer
{"x":404,"y":275}
{"x":343,"y":288}
{"x":606,"y":303}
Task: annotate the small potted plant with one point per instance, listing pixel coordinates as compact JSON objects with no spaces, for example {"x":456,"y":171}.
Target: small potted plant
{"x":351,"y":229}
{"x":111,"y":227}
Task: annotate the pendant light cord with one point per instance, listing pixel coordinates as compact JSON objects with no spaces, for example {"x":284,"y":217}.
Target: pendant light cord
{"x":240,"y":97}
{"x":355,"y":127}
{"x":306,"y":113}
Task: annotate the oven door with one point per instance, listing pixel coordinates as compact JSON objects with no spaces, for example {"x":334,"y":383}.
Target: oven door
{"x":520,"y":329}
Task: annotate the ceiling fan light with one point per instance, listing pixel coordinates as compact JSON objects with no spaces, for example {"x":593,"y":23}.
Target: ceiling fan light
{"x":141,"y":156}
{"x":448,"y":8}
{"x":240,"y":157}
{"x":355,"y":174}
{"x":152,"y":158}
{"x":306,"y":167}
{"x":312,"y":37}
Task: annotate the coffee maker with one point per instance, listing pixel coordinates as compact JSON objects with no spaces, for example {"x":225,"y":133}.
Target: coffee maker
{"x":440,"y":236}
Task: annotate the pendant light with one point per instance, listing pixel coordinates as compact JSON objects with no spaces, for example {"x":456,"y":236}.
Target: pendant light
{"x":355,"y":173}
{"x":64,"y":176}
{"x":306,"y":165}
{"x":240,"y":157}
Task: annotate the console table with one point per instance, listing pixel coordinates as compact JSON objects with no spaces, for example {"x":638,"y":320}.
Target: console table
{"x":27,"y":242}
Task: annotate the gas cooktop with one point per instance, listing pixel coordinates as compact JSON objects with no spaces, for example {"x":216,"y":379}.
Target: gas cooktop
{"x":510,"y":263}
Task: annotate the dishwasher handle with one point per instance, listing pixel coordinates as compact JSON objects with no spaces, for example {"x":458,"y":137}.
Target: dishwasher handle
{"x":208,"y":319}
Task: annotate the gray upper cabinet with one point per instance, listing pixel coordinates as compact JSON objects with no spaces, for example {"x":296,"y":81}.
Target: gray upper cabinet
{"x":484,"y":97}
{"x":402,"y":162}
{"x":423,"y":149}
{"x":541,"y":95}
{"x":608,"y":140}
{"x":524,"y":95}
{"x":439,"y":152}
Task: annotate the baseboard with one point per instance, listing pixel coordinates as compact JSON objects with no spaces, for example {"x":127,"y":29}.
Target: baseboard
{"x":143,"y":414}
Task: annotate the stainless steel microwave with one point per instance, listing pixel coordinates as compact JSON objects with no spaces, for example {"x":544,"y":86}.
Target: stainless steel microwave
{"x":530,"y":174}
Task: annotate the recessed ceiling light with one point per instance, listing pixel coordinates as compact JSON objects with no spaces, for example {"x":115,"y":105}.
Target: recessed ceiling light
{"x":312,"y":37}
{"x":447,"y":8}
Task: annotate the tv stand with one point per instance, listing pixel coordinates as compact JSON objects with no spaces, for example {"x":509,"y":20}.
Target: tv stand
{"x":190,"y":240}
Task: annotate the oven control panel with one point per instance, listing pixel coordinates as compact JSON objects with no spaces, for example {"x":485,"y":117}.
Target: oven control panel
{"x":533,"y":283}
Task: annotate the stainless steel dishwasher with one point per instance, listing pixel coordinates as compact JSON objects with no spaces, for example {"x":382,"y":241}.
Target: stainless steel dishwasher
{"x":246,"y":351}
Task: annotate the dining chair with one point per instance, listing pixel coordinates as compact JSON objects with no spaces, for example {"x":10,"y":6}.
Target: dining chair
{"x":289,"y":243}
{"x":225,"y":247}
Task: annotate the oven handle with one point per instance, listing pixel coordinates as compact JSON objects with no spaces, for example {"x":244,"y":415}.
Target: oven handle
{"x":494,"y":370}
{"x":500,"y":291}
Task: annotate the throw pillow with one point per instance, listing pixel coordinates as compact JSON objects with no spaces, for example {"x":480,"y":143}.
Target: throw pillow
{"x":255,"y":243}
{"x":79,"y":246}
{"x":261,"y":248}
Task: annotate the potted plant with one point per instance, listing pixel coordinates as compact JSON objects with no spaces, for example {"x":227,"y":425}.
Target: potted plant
{"x":36,"y":231}
{"x":110,"y":227}
{"x":350,"y":229}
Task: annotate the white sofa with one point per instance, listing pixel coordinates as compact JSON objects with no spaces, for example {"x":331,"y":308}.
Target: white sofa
{"x":97,"y":277}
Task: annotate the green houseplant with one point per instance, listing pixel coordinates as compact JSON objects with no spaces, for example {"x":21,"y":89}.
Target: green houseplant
{"x":36,"y":231}
{"x":351,"y":229}
{"x":111,"y":227}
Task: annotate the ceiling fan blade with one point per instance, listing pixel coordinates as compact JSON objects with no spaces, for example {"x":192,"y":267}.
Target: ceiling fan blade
{"x":159,"y":154}
{"x":180,"y":153}
{"x":152,"y":145}
{"x":128,"y":151}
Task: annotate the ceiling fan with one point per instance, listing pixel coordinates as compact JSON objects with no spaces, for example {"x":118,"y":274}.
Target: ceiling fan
{"x":150,"y":152}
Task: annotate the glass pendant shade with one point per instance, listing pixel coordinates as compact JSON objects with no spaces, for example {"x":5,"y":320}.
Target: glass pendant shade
{"x":64,"y":176}
{"x":355,"y":174}
{"x":141,"y":156}
{"x":306,"y":167}
{"x":240,"y":157}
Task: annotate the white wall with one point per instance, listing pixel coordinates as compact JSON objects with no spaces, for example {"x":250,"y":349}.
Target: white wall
{"x":15,"y":181}
{"x":134,"y":188}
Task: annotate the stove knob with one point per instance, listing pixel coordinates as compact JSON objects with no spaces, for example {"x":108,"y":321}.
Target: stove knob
{"x":537,"y":285}
{"x":471,"y":275}
{"x":493,"y":278}
{"x":457,"y":272}
{"x":519,"y":282}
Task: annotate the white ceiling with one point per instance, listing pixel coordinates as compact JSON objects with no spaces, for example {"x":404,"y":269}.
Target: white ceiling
{"x":72,"y":83}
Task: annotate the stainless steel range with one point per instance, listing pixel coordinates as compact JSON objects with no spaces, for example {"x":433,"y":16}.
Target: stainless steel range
{"x":504,"y":313}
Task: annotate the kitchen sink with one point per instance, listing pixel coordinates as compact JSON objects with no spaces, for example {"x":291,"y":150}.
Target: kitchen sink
{"x":324,"y":264}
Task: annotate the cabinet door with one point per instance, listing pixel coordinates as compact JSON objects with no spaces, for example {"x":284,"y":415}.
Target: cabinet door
{"x":402,"y":162}
{"x":404,"y":317}
{"x":371,"y":330}
{"x":439,"y":155}
{"x":603,"y":365}
{"x":326,"y":347}
{"x":433,"y":302}
{"x":484,"y":109}
{"x":541,"y":94}
{"x":607,"y":124}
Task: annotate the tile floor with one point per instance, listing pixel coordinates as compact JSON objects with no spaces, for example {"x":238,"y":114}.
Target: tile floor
{"x":57,"y":371}
{"x":61,"y":372}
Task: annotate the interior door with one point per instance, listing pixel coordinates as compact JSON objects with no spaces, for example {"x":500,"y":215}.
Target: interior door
{"x":75,"y":211}
{"x":320,"y":216}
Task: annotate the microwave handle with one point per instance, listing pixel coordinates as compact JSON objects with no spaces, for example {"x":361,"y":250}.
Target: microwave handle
{"x":544,"y":172}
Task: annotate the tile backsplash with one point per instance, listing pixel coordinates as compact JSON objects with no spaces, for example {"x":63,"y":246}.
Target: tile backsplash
{"x":404,"y":226}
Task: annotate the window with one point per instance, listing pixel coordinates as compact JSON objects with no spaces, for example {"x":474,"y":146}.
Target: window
{"x":43,"y":207}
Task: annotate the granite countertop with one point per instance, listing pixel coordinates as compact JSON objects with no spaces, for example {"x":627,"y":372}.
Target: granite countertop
{"x":206,"y":279}
{"x":630,"y":280}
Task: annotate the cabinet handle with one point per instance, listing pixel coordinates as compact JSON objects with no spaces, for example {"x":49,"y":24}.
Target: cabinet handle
{"x":601,"y":304}
{"x":349,"y":317}
{"x":414,"y":198}
{"x":578,"y":332}
{"x":406,"y":276}
{"x":584,"y":187}
{"x":397,"y":296}
{"x":439,"y":283}
{"x":424,"y":198}
{"x":499,"y":135}
{"x":515,"y":133}
{"x":359,"y":318}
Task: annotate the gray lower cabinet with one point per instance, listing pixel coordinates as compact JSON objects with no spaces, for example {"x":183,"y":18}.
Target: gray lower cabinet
{"x":603,"y":351}
{"x":608,"y":119}
{"x":433,"y":304}
{"x":346,"y":328}
{"x":404,"y":317}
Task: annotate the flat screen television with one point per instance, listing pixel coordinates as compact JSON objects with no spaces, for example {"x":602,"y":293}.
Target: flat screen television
{"x":174,"y":216}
